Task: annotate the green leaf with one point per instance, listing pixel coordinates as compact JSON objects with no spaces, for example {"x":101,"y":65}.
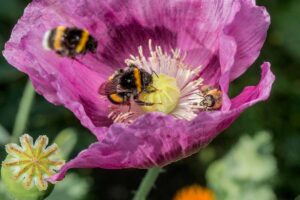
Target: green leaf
{"x":4,"y":135}
{"x":66,"y":140}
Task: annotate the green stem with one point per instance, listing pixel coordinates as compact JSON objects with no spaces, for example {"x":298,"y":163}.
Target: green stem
{"x":23,"y":112}
{"x":147,"y":183}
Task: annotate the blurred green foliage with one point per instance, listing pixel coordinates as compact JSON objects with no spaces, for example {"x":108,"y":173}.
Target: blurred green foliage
{"x":66,"y":140}
{"x":246,"y":171}
{"x":72,"y":187}
{"x":4,"y":135}
{"x":280,"y":114}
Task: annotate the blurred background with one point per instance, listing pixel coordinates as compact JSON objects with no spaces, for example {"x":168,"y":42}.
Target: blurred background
{"x":267,"y":134}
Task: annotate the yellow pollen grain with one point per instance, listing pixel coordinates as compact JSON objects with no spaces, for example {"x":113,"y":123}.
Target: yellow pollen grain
{"x":83,"y":40}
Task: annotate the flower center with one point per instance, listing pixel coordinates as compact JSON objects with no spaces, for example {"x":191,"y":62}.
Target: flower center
{"x":177,"y":86}
{"x":166,"y":96}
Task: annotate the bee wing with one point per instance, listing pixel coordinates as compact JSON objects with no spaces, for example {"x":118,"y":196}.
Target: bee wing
{"x":107,"y":87}
{"x":102,"y":89}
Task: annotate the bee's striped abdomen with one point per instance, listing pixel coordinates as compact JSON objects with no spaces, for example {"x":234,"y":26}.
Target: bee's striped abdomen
{"x":50,"y":40}
{"x":69,"y":42}
{"x":81,"y":46}
{"x":58,"y":38}
{"x":53,"y":38}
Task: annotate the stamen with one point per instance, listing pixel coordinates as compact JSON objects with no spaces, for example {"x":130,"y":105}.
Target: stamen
{"x":178,"y":86}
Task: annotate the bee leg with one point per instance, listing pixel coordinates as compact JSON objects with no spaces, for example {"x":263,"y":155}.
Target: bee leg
{"x":61,"y":53}
{"x":150,"y":90}
{"x":153,"y":72}
{"x":120,"y":71}
{"x":129,"y":107}
{"x":141,"y":103}
{"x":72,"y":54}
{"x":64,"y":53}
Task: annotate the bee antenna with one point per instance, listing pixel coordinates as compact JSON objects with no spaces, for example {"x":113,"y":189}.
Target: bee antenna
{"x":201,"y":95}
{"x":153,"y":72}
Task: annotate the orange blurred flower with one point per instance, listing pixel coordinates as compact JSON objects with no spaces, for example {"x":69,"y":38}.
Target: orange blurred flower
{"x":194,"y":192}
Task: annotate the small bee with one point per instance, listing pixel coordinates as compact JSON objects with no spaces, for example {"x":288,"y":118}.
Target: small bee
{"x":69,"y":41}
{"x":126,"y":84}
{"x":212,"y":98}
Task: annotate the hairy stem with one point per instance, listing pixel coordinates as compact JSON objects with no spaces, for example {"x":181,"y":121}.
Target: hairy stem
{"x":147,"y":183}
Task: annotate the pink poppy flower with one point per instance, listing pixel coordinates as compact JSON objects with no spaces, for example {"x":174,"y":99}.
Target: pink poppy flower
{"x":188,"y":43}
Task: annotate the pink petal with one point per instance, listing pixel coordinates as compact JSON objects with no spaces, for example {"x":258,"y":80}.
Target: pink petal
{"x":120,"y":27}
{"x":249,"y":31}
{"x":192,"y":26}
{"x":158,"y":140}
{"x":239,"y":44}
{"x":62,"y":81}
{"x":249,"y":96}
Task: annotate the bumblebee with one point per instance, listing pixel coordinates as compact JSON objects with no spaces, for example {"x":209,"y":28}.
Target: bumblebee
{"x":69,"y":42}
{"x":126,"y":84}
{"x":212,"y":98}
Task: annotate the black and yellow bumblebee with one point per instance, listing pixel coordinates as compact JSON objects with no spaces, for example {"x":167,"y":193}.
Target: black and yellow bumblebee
{"x":126,"y":84}
{"x":69,"y":42}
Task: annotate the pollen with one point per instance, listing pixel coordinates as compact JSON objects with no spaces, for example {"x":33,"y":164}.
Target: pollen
{"x":31,"y":163}
{"x":165,"y":97}
{"x":175,"y":89}
{"x":194,"y":192}
{"x":177,"y":84}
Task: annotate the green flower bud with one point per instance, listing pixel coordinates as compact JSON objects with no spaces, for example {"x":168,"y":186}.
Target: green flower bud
{"x":26,"y":168}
